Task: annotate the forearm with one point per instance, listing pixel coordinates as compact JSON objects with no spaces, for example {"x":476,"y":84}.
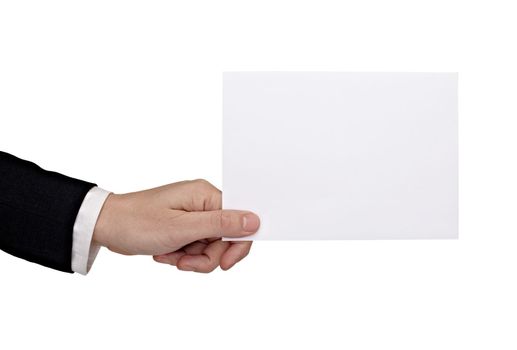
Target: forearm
{"x":38,"y":209}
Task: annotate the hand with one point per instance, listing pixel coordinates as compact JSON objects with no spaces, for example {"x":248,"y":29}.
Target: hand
{"x":179,"y":224}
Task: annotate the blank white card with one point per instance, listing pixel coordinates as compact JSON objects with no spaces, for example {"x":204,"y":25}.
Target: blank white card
{"x":324,"y":155}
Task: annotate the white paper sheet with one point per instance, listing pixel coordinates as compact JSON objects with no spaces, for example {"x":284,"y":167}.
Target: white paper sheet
{"x":324,"y":155}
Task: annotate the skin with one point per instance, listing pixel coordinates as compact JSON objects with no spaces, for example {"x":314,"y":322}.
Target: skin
{"x":180,"y":224}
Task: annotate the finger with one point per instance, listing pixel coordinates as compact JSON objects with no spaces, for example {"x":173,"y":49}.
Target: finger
{"x":170,"y":258}
{"x":200,"y":195}
{"x":206,"y":262}
{"x":235,"y":253}
{"x":213,"y":198}
{"x":217,"y":223}
{"x":195,"y":248}
{"x":191,"y":249}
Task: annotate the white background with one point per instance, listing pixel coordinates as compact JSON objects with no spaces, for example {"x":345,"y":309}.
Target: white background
{"x":128,"y":94}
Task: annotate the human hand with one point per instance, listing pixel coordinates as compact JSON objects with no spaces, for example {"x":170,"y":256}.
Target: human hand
{"x":179,"y":224}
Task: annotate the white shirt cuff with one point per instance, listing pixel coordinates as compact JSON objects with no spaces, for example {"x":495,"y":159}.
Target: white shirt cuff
{"x":84,"y":251}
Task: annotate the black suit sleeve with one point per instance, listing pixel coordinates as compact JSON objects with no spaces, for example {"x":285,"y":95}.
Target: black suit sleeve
{"x":37,"y":212}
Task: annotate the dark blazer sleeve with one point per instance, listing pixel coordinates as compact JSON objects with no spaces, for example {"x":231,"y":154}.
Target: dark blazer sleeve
{"x":37,"y":212}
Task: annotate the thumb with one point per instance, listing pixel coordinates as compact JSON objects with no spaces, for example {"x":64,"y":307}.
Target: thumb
{"x":219,"y":223}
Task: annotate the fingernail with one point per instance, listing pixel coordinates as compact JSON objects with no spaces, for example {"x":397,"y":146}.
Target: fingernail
{"x":159,"y":258}
{"x":250,"y":222}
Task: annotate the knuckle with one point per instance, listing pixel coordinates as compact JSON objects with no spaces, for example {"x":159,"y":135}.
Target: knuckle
{"x":216,"y":220}
{"x":213,"y":202}
{"x":204,"y":269}
{"x":245,"y":254}
{"x":205,"y":186}
{"x":209,"y":267}
{"x":225,"y":220}
{"x":205,"y":195}
{"x":183,"y":268}
{"x":201,"y":183}
{"x":212,"y":265}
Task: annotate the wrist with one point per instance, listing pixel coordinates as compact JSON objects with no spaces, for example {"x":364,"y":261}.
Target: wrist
{"x":105,"y":222}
